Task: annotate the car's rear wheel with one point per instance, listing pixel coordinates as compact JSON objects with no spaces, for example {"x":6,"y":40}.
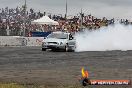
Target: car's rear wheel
{"x":74,"y":48}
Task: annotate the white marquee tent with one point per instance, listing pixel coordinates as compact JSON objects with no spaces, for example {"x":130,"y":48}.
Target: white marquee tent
{"x":45,"y":20}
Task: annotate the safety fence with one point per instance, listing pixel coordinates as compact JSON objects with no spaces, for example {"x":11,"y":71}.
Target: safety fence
{"x":20,"y":41}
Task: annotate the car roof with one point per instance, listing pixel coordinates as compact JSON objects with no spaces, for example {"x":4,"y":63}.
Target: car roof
{"x":59,"y":32}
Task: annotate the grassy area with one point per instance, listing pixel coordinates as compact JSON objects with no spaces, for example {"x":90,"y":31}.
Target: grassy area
{"x":11,"y":85}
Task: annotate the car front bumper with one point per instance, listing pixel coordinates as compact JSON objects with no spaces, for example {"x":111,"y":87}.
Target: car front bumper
{"x":53,"y":46}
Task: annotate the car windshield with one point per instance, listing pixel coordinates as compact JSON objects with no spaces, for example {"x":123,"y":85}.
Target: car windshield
{"x":58,"y":36}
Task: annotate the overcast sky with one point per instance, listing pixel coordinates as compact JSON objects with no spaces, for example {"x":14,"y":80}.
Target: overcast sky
{"x":98,"y":8}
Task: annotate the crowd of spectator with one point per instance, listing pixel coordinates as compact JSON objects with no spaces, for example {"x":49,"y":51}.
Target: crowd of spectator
{"x":17,"y":22}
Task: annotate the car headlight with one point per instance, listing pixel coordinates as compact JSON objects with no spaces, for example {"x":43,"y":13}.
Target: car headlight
{"x":44,"y":43}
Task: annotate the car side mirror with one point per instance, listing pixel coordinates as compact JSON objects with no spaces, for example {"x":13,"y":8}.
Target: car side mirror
{"x":70,"y":37}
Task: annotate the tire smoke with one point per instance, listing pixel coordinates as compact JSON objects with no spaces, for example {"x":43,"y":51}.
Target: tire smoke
{"x":116,"y":37}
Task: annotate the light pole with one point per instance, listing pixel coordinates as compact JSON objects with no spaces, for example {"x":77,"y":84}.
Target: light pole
{"x":66,"y":10}
{"x":25,"y":7}
{"x":81,"y":14}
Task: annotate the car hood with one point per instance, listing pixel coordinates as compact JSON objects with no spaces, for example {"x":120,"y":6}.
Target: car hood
{"x":54,"y":40}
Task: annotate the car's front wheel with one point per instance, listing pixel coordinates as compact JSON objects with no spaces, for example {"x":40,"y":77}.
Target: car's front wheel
{"x":66,"y":48}
{"x":43,"y":49}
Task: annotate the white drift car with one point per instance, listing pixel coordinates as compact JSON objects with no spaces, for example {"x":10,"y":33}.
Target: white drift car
{"x":59,"y":40}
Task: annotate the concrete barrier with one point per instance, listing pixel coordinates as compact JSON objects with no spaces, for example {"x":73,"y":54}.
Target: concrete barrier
{"x":20,"y":41}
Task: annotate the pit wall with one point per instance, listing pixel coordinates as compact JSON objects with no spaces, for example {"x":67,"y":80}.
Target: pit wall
{"x":20,"y":41}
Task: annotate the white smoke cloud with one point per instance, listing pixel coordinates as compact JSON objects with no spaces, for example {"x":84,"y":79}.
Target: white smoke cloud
{"x":116,"y":37}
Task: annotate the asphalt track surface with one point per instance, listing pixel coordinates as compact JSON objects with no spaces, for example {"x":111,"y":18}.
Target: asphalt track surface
{"x":31,"y":65}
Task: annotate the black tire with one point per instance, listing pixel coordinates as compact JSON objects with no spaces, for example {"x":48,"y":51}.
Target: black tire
{"x":66,"y":48}
{"x":74,"y":49}
{"x":86,"y":82}
{"x":43,"y":49}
